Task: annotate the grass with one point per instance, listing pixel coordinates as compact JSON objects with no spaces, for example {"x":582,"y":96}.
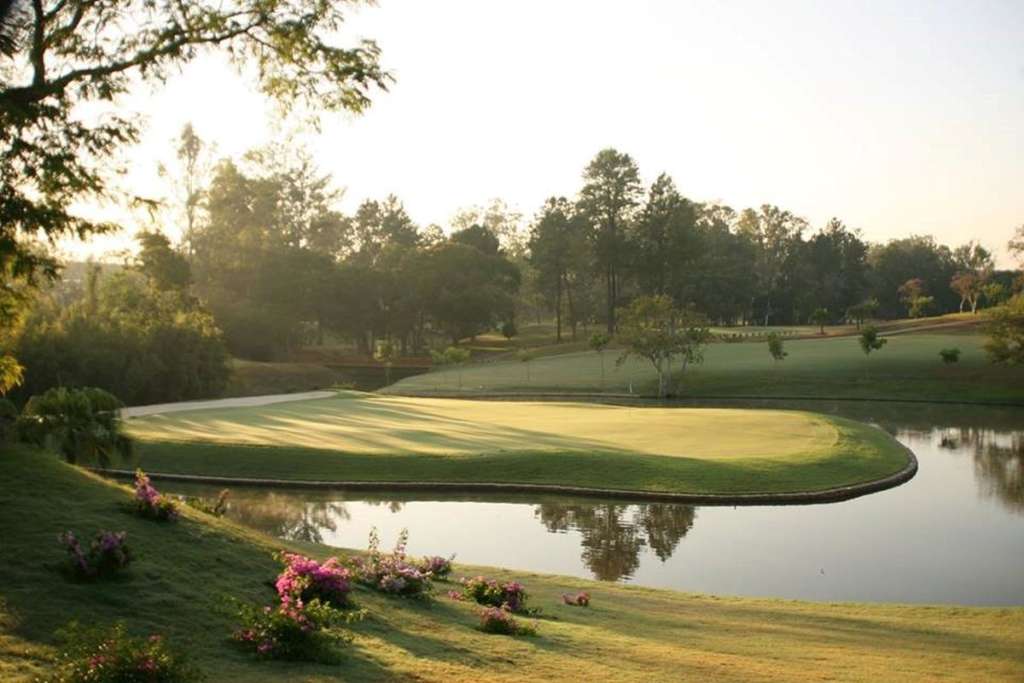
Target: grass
{"x":362,"y":437}
{"x":185,"y":572}
{"x":908,"y":367}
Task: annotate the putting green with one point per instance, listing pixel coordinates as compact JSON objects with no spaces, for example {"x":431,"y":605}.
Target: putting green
{"x":366,"y":437}
{"x":377,"y":424}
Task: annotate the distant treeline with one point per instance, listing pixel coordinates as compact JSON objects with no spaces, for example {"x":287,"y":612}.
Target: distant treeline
{"x":268,"y":263}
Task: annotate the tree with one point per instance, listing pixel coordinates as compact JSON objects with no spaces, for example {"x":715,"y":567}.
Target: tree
{"x":666,"y":240}
{"x":912,"y":258}
{"x":558,"y":252}
{"x":80,"y":52}
{"x":188,"y":181}
{"x":912,"y":295}
{"x":970,"y":287}
{"x":652,"y":328}
{"x":611,"y":191}
{"x":1016,"y":244}
{"x":858,"y":313}
{"x":820,"y":318}
{"x":974,"y":267}
{"x":776,"y":236}
{"x":599,"y":341}
{"x":165,"y":268}
{"x":453,"y":355}
{"x":1005,"y":344}
{"x":870,"y":341}
{"x":775,"y":347}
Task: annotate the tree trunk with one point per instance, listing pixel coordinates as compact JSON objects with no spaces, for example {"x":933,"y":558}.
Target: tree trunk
{"x":558,"y":310}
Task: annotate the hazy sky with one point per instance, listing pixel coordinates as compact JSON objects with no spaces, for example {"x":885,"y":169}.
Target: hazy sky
{"x":898,"y":117}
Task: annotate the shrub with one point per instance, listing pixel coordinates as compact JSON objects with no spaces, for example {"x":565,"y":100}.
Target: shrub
{"x":296,"y":630}
{"x":110,"y":655}
{"x":151,"y":503}
{"x":78,"y":423}
{"x":438,"y":567}
{"x":950,"y":356}
{"x":511,"y":595}
{"x":217,"y":507}
{"x":305,"y":579}
{"x":390,"y":574}
{"x":107,"y":555}
{"x":500,"y":620}
{"x":581,"y":599}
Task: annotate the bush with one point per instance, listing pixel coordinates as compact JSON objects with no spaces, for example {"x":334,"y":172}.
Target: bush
{"x":152,"y":504}
{"x":581,"y":599}
{"x":510,"y":595}
{"x":78,"y":423}
{"x":305,"y":579}
{"x":110,"y":655}
{"x":950,"y":356}
{"x":299,"y":631}
{"x":390,"y":574}
{"x":108,"y":554}
{"x":438,"y":567}
{"x":500,"y":620}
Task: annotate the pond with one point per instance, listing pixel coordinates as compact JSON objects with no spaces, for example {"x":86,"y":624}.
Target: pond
{"x":953,"y":534}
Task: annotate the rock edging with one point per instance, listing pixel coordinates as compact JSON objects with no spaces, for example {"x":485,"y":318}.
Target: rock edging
{"x":831,"y":495}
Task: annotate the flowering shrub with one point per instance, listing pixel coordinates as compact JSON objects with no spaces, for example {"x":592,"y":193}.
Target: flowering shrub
{"x":490,"y":592}
{"x":500,"y":620}
{"x":305,"y":579}
{"x":151,"y":503}
{"x":581,"y":599}
{"x":390,"y":574}
{"x":438,"y":567}
{"x":107,"y":554}
{"x":110,"y":655}
{"x":294,"y":630}
{"x":217,"y":507}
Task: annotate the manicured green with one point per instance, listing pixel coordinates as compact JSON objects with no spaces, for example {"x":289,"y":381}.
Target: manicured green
{"x":364,"y":437}
{"x":908,"y":367}
{"x":185,"y":572}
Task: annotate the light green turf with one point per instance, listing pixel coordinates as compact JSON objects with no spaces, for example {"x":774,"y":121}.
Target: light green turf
{"x":186,"y":572}
{"x":908,"y":367}
{"x":364,"y":437}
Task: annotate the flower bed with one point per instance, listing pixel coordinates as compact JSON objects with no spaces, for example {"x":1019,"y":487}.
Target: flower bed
{"x":500,"y":620}
{"x":110,"y":655}
{"x":306,"y":579}
{"x":438,"y":567}
{"x":391,"y":574}
{"x":151,"y":503}
{"x":294,"y":630}
{"x":107,"y":555}
{"x":510,"y":595}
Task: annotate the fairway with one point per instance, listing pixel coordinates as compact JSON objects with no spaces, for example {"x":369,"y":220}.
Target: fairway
{"x":908,"y":367}
{"x":365,"y":437}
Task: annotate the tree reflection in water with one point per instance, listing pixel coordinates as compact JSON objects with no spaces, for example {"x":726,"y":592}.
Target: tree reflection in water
{"x":614,"y":534}
{"x":998,"y":462}
{"x":287,"y":516}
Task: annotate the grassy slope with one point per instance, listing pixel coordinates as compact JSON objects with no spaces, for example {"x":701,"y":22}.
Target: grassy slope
{"x":363,"y":437}
{"x":184,"y":572}
{"x":907,"y":367}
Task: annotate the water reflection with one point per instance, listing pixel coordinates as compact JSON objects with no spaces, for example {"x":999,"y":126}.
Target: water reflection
{"x":285,"y":515}
{"x":998,"y":462}
{"x":613,"y":535}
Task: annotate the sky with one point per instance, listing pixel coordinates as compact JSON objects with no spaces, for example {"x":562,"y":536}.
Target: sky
{"x":899,"y":118}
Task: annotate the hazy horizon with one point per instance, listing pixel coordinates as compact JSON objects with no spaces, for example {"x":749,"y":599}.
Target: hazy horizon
{"x":898,"y":119}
